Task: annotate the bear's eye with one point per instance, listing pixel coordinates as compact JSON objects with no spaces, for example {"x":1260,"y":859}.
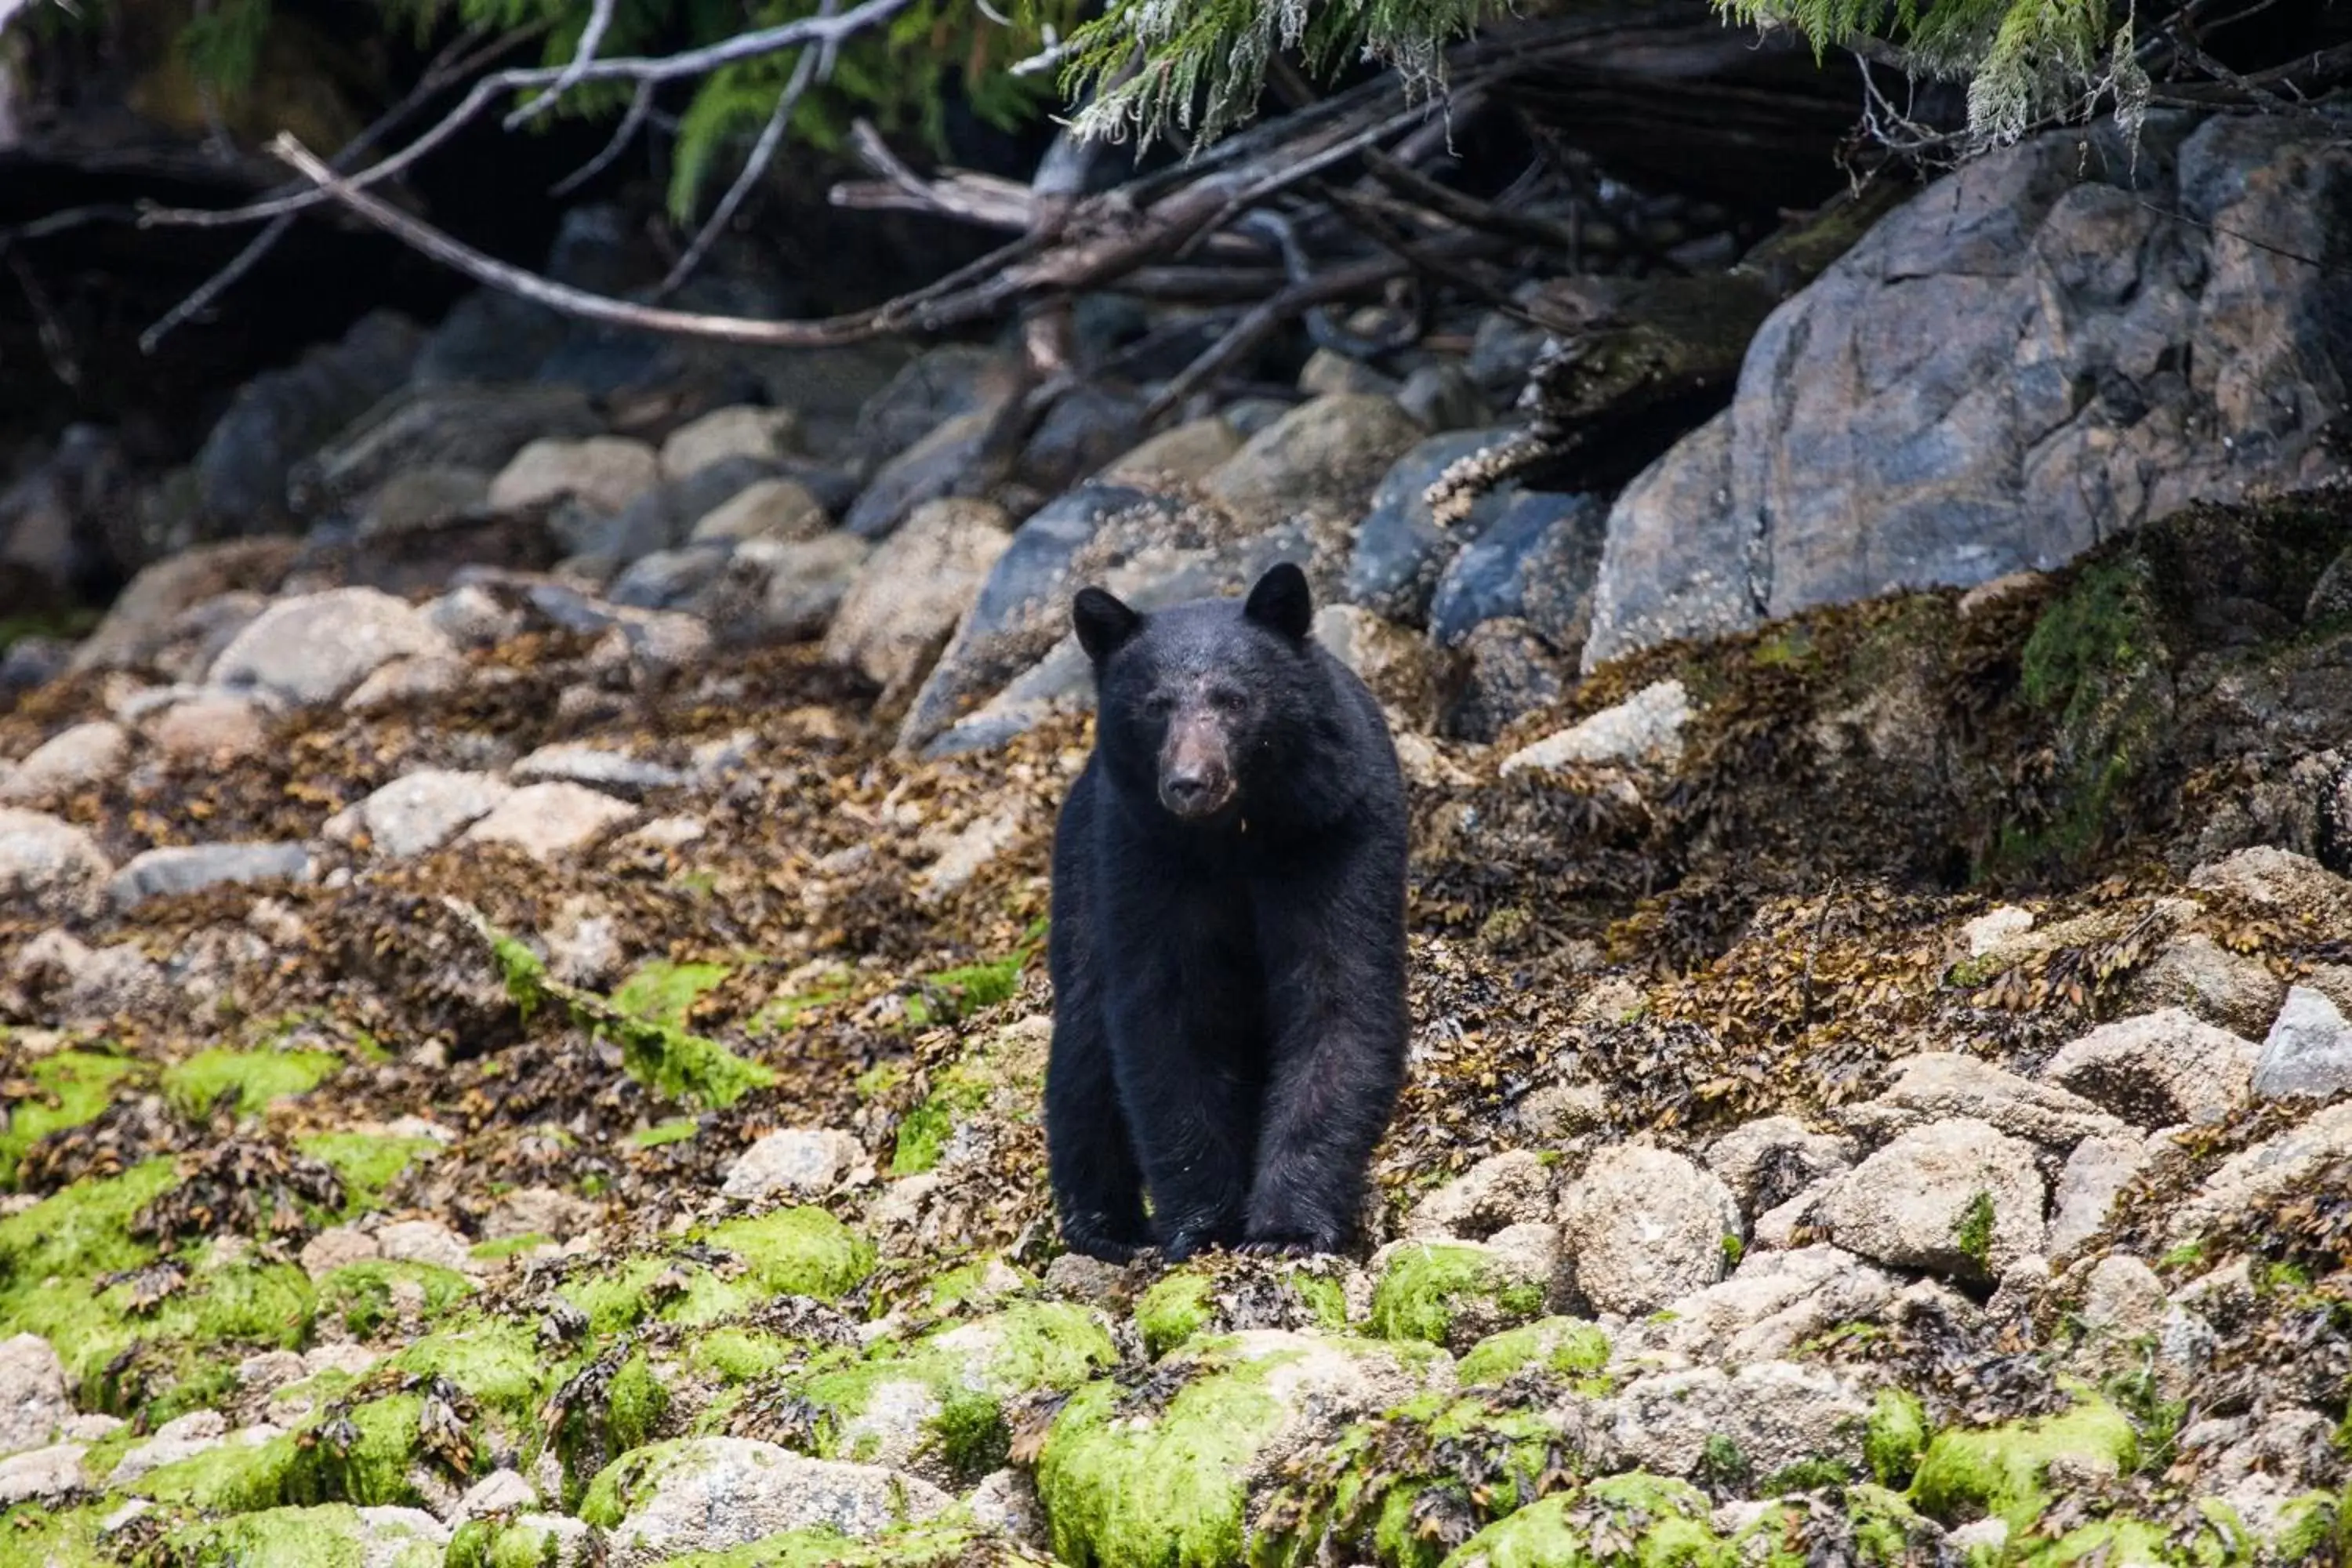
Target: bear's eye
{"x":1158,"y":705}
{"x":1225,"y":699}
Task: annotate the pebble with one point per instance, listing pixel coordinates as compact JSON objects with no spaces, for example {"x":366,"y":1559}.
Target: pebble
{"x":546,"y":821}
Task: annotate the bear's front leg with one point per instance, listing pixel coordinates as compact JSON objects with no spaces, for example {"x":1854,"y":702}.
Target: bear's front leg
{"x":1193,"y":1121}
{"x":1335,"y":974}
{"x":1097,"y":1190}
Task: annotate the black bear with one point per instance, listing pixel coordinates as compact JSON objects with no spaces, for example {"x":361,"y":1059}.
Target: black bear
{"x":1227,"y":946}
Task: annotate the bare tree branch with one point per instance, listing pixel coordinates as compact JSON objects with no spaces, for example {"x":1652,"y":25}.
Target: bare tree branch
{"x":812,"y":65}
{"x":1262,"y":320}
{"x":486,"y":270}
{"x":823,"y":31}
{"x":461,"y":60}
{"x":640,"y":107}
{"x":592,"y":37}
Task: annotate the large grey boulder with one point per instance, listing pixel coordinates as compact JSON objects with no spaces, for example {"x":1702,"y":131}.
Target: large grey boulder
{"x":49,"y":867}
{"x":2030,"y":356}
{"x":282,"y":416}
{"x":1023,"y":608}
{"x":710,"y":1494}
{"x":1959,"y":1197}
{"x":1645,"y":1226}
{"x":2158,"y":1068}
{"x":316,"y":648}
{"x":914,"y":589}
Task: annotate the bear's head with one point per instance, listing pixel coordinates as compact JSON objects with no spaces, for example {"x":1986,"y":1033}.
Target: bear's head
{"x":1203,"y":707}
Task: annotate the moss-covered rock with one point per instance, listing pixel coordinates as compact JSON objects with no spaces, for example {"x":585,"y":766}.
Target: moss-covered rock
{"x":732,"y":1355}
{"x":1396,"y":1488}
{"x":790,"y":1252}
{"x":1566,"y":1348}
{"x":334,"y":1536}
{"x":364,"y":1456}
{"x":978,"y":1284}
{"x":796,"y":1252}
{"x":2216,"y":1538}
{"x":137,"y":1332}
{"x":1003,"y":1074}
{"x":1222,"y":1295}
{"x":68,"y":1089}
{"x":1135,"y":1483}
{"x":1634,"y":1520}
{"x":364,"y":1297}
{"x":1176,"y":1307}
{"x":529,"y":1541}
{"x":368,"y":1162}
{"x":1455,"y":1293}
{"x":665,"y":992}
{"x":39,"y":1537}
{"x":496,"y":1361}
{"x":2003,"y":1471}
{"x":1896,"y":1438}
{"x":650,"y":1011}
{"x":936,"y":1407}
{"x":249,"y":1080}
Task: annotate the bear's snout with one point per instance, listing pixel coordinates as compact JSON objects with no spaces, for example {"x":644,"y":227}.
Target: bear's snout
{"x":1195,"y":778}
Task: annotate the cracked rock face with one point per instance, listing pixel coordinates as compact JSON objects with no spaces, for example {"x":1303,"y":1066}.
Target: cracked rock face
{"x":1860,"y":453}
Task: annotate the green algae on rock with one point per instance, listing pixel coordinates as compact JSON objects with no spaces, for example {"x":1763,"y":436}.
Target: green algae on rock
{"x":361,"y":1295}
{"x":1452,"y":1293}
{"x":368,"y":1162}
{"x":2003,"y":1471}
{"x":496,"y":1361}
{"x":646,"y":1019}
{"x":1896,"y":1438}
{"x":1003,"y":1074}
{"x":739,"y":1355}
{"x":1165,"y":1486}
{"x":789,"y":1252}
{"x":665,"y":993}
{"x":938,"y":1405}
{"x":658,"y":1050}
{"x":137,"y":1332}
{"x":1401,"y":1487}
{"x":332,"y":1536}
{"x":1635,"y":1520}
{"x":661,"y":1134}
{"x":248,"y":1079}
{"x":978,"y":1284}
{"x":1213,"y":1297}
{"x":68,"y":1089}
{"x":1176,"y":1307}
{"x":362,"y":1456}
{"x":800,"y":1251}
{"x":1563,"y":1347}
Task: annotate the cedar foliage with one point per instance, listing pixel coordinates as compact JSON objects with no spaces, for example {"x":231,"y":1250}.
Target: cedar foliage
{"x":1147,"y":67}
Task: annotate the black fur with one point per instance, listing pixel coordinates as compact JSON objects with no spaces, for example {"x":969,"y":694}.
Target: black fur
{"x":1230,"y":1018}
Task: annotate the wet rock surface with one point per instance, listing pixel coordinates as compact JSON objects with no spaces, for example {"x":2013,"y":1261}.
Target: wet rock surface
{"x":525,"y":1028}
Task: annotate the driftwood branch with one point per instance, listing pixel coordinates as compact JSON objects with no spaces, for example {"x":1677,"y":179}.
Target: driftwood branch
{"x":465,"y":55}
{"x":591,"y":39}
{"x":809,"y":67}
{"x":489,"y":270}
{"x":826,"y":32}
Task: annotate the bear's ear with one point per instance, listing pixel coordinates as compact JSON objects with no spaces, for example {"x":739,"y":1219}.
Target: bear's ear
{"x":1282,"y":602}
{"x":1105,"y":624}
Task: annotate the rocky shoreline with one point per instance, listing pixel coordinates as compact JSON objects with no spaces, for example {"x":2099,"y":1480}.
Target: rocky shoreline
{"x":525,"y":1009}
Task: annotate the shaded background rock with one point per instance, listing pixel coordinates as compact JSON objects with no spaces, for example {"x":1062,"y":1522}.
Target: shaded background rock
{"x":2102,"y":364}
